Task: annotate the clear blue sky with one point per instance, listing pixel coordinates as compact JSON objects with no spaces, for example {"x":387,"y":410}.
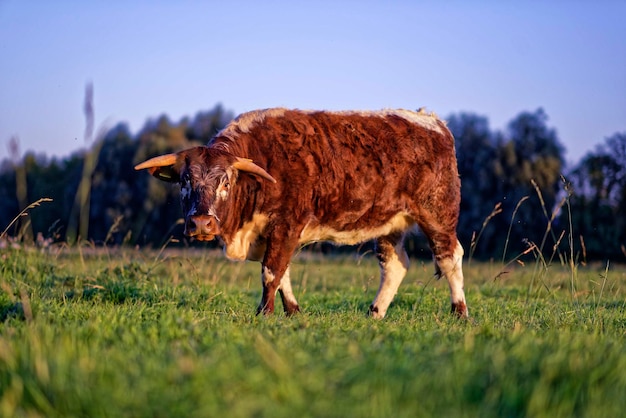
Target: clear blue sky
{"x":147,"y":58}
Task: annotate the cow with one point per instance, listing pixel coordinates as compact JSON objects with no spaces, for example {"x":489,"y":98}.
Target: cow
{"x":276,"y":179}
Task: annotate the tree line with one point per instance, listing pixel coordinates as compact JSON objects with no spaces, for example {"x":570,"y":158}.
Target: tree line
{"x":518,"y":196}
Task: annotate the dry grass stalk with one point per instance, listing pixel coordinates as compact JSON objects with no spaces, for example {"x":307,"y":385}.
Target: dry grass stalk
{"x":24,"y":212}
{"x":496,"y":210}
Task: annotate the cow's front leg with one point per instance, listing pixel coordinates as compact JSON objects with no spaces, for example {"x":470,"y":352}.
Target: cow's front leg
{"x":275,"y":274}
{"x":290,"y":304}
{"x":270,"y":286}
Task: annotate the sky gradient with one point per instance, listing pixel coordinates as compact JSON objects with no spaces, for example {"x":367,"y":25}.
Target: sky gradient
{"x":147,"y":58}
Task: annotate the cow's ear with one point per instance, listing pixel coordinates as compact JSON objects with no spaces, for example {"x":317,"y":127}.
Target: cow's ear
{"x":163,"y":167}
{"x":244,"y":164}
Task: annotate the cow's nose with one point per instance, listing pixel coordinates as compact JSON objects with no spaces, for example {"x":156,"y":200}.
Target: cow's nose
{"x":201,"y":225}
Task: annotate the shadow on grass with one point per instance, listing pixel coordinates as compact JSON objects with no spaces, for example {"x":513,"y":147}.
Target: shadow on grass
{"x":12,"y":310}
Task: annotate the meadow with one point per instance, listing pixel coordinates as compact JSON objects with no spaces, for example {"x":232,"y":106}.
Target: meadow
{"x":108,"y":332}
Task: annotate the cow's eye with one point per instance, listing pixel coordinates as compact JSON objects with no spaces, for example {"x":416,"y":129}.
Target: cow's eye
{"x":223,"y":189}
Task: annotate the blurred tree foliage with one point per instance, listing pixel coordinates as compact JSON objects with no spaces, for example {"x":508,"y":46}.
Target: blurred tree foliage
{"x":598,"y":204}
{"x":125,"y":206}
{"x":515,"y":191}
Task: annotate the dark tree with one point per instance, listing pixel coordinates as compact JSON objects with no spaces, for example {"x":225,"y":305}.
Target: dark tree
{"x":476,"y":156}
{"x":124,"y":205}
{"x":598,"y":205}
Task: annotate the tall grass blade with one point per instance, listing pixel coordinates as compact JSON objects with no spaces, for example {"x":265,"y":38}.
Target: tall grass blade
{"x":497,"y":209}
{"x":550,"y":218}
{"x":24,"y":212}
{"x":79,"y":217}
{"x":21,"y":181}
{"x":508,"y":234}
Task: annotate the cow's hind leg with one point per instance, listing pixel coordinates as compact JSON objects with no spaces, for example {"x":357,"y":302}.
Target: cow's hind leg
{"x":448,"y":257}
{"x":394,"y":263}
{"x":451,"y":268}
{"x":437,"y":215}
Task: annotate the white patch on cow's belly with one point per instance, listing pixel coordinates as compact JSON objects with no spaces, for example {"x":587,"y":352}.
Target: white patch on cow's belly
{"x":315,"y":233}
{"x":244,"y":245}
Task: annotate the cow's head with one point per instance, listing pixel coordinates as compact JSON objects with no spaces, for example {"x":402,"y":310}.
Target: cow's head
{"x":206,"y":177}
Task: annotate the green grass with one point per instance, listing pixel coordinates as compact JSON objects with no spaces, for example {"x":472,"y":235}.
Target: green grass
{"x":131,"y":333}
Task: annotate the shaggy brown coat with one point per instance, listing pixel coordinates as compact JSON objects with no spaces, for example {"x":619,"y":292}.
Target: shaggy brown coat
{"x":345,"y":177}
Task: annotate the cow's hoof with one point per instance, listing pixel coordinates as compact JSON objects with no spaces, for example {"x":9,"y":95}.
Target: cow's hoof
{"x":373,"y":312}
{"x":292,"y":310}
{"x":460,"y":310}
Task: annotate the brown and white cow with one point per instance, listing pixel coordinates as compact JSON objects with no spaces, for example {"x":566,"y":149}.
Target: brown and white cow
{"x":276,"y":179}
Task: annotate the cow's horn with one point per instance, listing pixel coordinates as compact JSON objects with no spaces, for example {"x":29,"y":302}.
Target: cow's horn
{"x":244,"y":164}
{"x":160,"y":161}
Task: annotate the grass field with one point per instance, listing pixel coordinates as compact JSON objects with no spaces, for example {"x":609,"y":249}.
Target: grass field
{"x":87,"y":333}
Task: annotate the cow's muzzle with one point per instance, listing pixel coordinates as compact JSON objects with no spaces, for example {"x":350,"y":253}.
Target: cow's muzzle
{"x":202,"y":227}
